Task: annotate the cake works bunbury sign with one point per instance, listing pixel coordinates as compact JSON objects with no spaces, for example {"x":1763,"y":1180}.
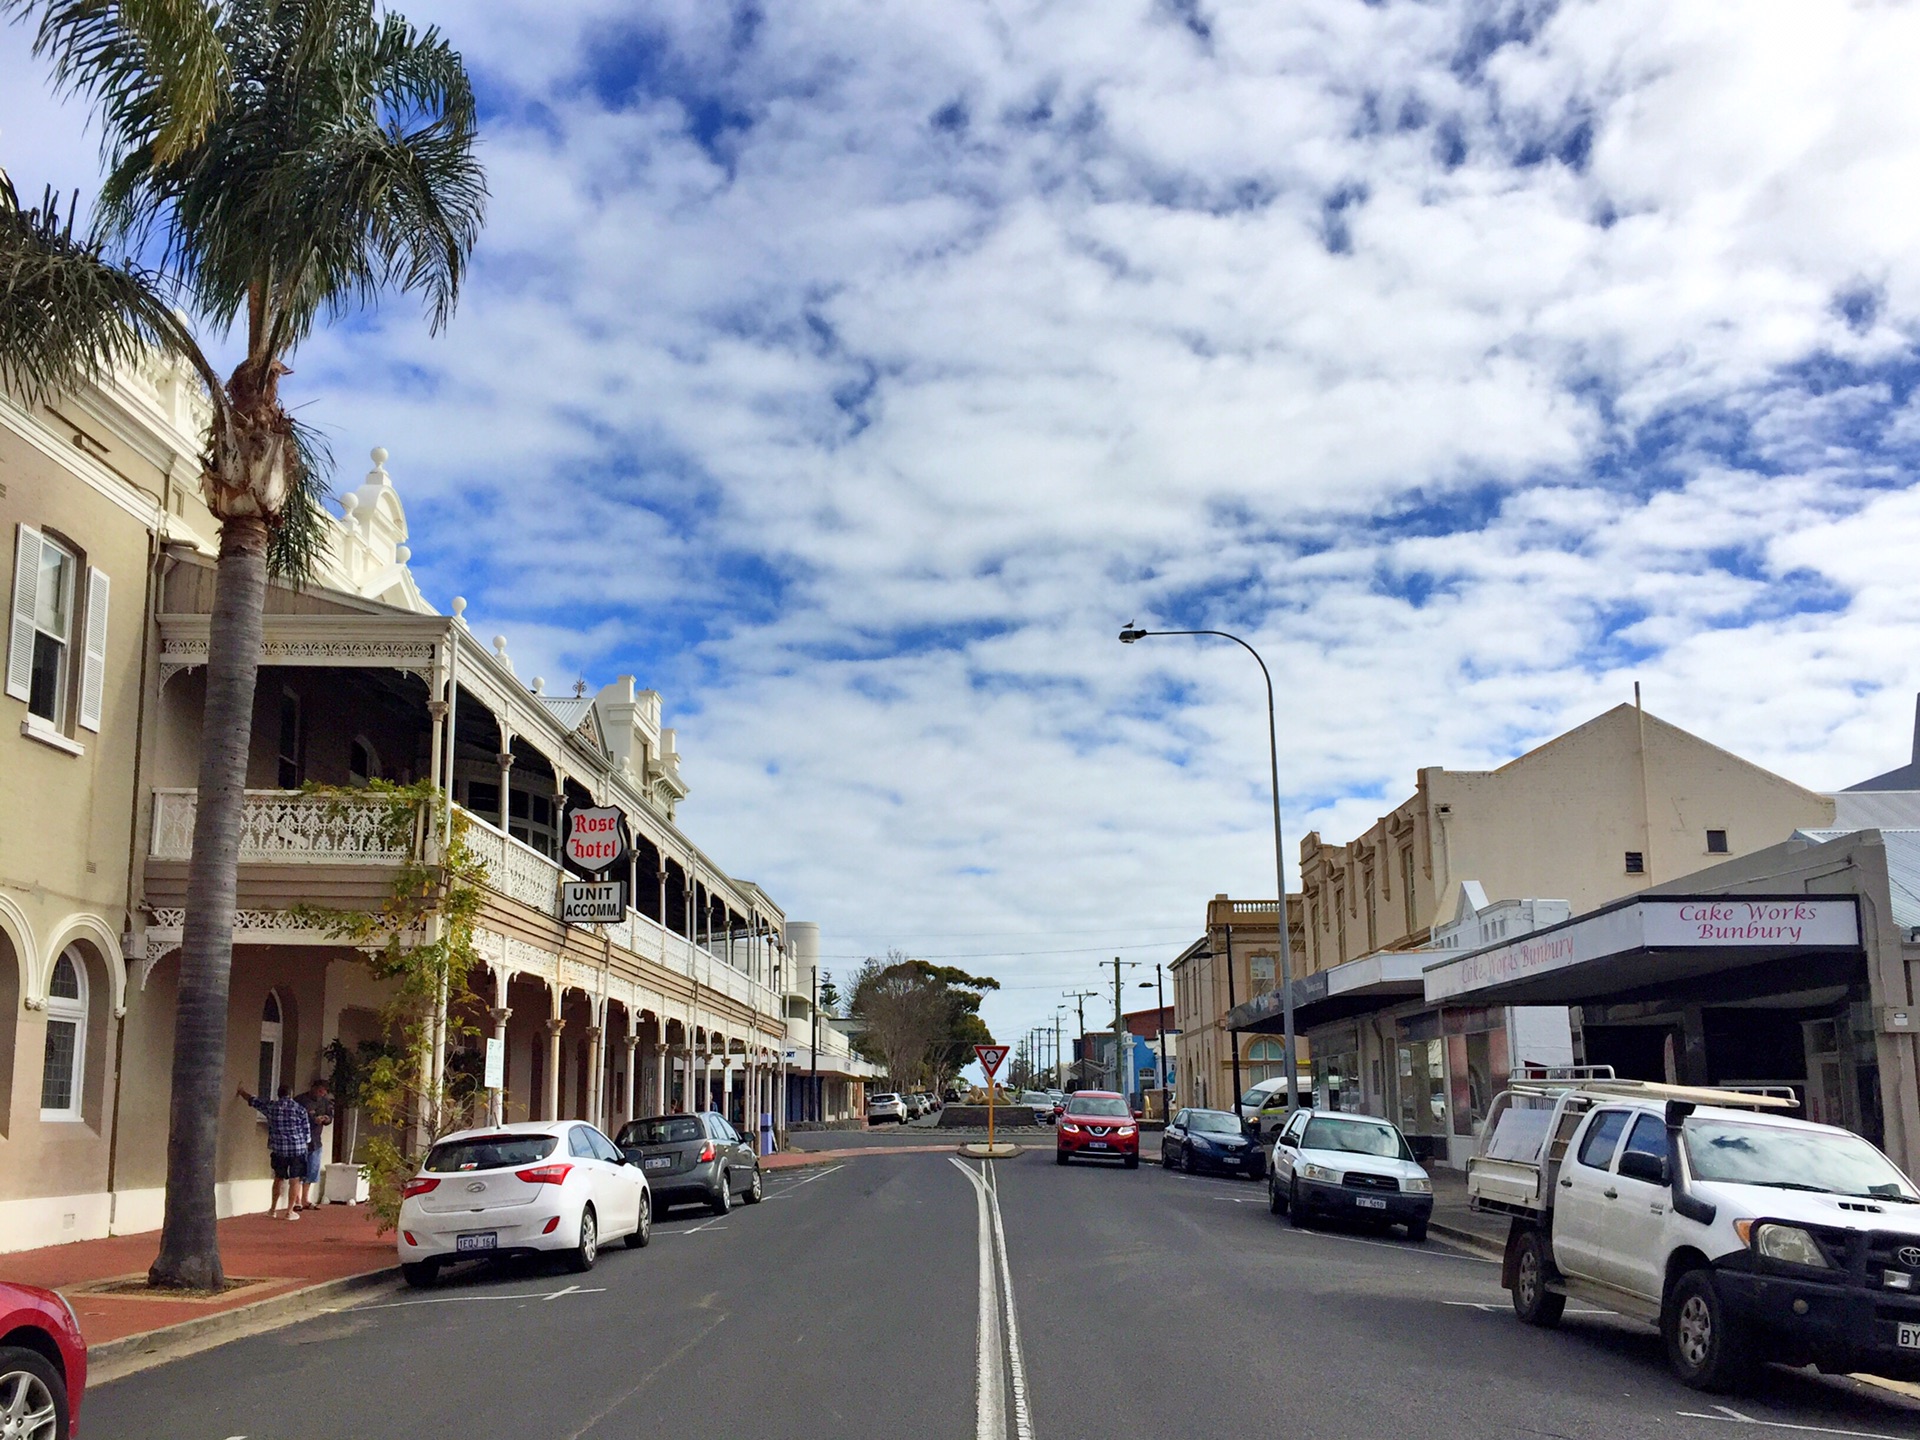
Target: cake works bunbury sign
{"x":1718,"y":922}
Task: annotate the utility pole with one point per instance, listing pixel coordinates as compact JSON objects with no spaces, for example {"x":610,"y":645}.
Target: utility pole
{"x":813,"y":1049}
{"x":1080,"y":998}
{"x":1119,"y":1034}
{"x":1058,"y":1084}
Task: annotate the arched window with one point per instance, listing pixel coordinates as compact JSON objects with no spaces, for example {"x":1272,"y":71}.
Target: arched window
{"x":66,"y":1057}
{"x":1266,"y":1060}
{"x":271,"y":1033}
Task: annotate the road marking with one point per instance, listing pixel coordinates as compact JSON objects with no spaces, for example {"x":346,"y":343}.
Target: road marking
{"x":1500,"y":1307}
{"x":817,"y":1175}
{"x":1016,"y":1360}
{"x":458,"y":1299}
{"x":1734,"y":1417}
{"x":989,"y":1380}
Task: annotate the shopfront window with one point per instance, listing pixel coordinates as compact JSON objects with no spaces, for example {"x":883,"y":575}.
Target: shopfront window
{"x":1423,"y":1087}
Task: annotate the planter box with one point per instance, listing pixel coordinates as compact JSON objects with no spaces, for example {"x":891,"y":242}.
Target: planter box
{"x":343,"y":1184}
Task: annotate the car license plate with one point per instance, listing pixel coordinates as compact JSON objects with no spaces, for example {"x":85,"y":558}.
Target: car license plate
{"x":483,"y":1240}
{"x":659,"y":1162}
{"x":1909,"y":1336}
{"x":1096,"y":1145}
{"x":1367,"y":1202}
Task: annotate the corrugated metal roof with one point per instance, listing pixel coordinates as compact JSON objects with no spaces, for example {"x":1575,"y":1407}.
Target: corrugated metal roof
{"x":1903,"y":867}
{"x":1876,"y":810}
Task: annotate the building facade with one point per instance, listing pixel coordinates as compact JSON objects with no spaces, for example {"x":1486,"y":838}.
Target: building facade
{"x":1615,"y":806}
{"x":682,"y":1003}
{"x":1237,"y":958}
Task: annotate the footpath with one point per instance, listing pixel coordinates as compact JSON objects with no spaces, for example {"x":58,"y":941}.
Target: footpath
{"x":283,"y":1266}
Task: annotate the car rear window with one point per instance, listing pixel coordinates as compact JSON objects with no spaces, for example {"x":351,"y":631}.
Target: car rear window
{"x":1110,"y":1105}
{"x":488,"y":1152}
{"x":669,"y":1130}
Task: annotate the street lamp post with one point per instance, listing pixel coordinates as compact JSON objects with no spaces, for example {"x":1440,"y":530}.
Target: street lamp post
{"x":1160,"y":1036}
{"x":1127,"y":637}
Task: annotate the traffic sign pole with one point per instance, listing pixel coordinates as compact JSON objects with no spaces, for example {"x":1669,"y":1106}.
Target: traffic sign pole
{"x":991,"y":1058}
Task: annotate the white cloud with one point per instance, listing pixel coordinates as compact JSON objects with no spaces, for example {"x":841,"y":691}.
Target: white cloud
{"x":1274,"y":331}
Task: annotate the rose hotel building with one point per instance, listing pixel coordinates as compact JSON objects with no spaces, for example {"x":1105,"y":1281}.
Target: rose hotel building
{"x":695,"y":997}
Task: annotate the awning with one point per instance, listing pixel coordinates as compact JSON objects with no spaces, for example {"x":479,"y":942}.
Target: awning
{"x":1645,"y":947}
{"x":1358,"y":986}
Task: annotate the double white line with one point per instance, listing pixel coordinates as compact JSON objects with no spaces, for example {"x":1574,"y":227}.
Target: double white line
{"x":997,"y":1356}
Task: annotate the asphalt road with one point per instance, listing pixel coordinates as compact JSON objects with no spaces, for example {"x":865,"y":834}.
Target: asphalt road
{"x":871,"y":1299}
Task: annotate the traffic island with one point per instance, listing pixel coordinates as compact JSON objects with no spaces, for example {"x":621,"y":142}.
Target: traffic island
{"x":983,"y":1151}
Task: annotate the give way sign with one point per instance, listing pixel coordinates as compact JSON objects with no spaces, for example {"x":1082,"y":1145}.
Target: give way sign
{"x":991,"y":1057}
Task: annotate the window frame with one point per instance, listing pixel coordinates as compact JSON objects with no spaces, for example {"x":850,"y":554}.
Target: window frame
{"x":66,"y":1010}
{"x":274,"y":1033}
{"x":1723,"y":848}
{"x":1635,"y":862}
{"x":1592,"y":1133}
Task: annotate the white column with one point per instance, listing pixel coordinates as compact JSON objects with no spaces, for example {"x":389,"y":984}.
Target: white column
{"x":633,"y":1080}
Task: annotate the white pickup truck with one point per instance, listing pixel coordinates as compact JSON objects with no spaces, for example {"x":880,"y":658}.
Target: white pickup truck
{"x":1744,"y":1234}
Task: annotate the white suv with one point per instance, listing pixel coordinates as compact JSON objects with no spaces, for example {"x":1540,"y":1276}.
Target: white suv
{"x":886,"y":1107}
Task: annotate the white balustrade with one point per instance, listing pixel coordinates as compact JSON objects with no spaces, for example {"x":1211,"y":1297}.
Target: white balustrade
{"x":289,"y":828}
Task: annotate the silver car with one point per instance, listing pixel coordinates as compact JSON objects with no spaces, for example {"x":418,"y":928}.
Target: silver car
{"x":693,"y":1158}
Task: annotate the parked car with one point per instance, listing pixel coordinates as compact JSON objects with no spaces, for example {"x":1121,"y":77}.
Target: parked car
{"x":1257,"y":1095}
{"x":539,"y":1186}
{"x":1097,"y":1125}
{"x":1040,"y":1103}
{"x":1210,"y":1140}
{"x":1745,"y":1236}
{"x":693,"y":1157}
{"x":886,"y":1107}
{"x":43,"y":1364}
{"x":1353,"y":1167}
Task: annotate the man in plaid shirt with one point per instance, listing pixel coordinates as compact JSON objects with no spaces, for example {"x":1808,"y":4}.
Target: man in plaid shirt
{"x":289,"y":1134}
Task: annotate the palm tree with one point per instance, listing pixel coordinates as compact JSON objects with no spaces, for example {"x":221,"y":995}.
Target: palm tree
{"x":274,"y":161}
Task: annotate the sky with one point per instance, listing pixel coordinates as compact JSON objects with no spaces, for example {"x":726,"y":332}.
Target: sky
{"x":851,"y":370}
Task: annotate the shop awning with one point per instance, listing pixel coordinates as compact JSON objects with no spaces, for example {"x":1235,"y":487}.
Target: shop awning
{"x":1335,"y":993}
{"x":1647,"y":946}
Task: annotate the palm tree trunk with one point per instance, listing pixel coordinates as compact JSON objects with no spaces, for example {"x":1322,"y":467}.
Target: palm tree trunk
{"x":189,"y":1242}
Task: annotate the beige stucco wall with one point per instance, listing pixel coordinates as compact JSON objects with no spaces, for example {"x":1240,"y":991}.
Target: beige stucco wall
{"x":65,"y":843}
{"x":1555,"y":823}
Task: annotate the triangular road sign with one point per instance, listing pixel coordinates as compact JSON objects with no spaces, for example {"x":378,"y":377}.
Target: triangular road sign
{"x":991,"y":1057}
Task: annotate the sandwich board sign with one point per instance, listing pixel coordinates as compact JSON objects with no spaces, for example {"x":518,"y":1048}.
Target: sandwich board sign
{"x":991,"y":1058}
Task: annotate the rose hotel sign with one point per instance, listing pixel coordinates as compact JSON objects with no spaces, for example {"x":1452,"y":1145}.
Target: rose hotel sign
{"x":1719,"y":922}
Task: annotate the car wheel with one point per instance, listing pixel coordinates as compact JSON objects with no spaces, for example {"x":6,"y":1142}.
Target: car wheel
{"x":420,"y":1274}
{"x":1059,"y":1157}
{"x":755,"y":1190}
{"x":1296,"y":1212}
{"x":643,"y":1232}
{"x":1417,"y":1231}
{"x":1133,"y":1162}
{"x":1532,"y":1301}
{"x":1706,"y":1346}
{"x":33,"y":1398}
{"x":580,"y":1259}
{"x":722,"y":1200}
{"x":1276,"y":1202}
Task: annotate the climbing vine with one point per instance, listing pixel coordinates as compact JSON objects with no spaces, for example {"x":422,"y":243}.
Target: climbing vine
{"x":420,"y":942}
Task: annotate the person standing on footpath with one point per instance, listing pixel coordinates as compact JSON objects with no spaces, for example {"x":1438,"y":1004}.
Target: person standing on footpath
{"x":318,"y":1103}
{"x":289,"y":1137}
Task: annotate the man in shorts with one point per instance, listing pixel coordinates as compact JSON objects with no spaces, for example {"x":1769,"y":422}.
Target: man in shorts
{"x":289,"y":1137}
{"x":318,"y":1103}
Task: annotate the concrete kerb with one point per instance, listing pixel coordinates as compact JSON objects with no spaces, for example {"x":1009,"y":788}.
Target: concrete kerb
{"x":112,"y":1359}
{"x":1000,"y":1151}
{"x":1467,"y":1239}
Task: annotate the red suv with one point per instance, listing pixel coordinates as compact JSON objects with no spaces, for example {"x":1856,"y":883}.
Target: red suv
{"x":1097,"y":1124}
{"x":43,"y":1361}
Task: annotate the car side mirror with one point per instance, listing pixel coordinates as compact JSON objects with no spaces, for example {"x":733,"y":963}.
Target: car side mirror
{"x":1638,"y":1165}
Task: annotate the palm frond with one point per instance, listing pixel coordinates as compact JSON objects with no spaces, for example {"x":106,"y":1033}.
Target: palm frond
{"x":156,"y":69}
{"x":68,"y":314}
{"x":299,"y":535}
{"x":343,"y":166}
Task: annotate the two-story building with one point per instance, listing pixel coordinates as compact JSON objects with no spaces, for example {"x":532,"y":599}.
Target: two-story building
{"x":679,"y":1004}
{"x":1237,"y":958}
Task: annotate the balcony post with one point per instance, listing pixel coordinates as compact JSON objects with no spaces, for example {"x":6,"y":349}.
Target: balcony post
{"x":550,"y":1102}
{"x":595,"y":1084}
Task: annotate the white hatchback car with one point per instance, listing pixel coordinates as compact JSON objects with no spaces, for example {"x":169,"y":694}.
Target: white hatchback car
{"x":886,"y":1107}
{"x":555,"y":1186}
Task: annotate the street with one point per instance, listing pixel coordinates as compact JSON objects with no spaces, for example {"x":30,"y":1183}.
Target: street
{"x":865,"y":1298}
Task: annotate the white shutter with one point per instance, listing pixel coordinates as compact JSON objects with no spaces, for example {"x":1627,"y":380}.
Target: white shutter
{"x":26,"y":588}
{"x":93,"y":670}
